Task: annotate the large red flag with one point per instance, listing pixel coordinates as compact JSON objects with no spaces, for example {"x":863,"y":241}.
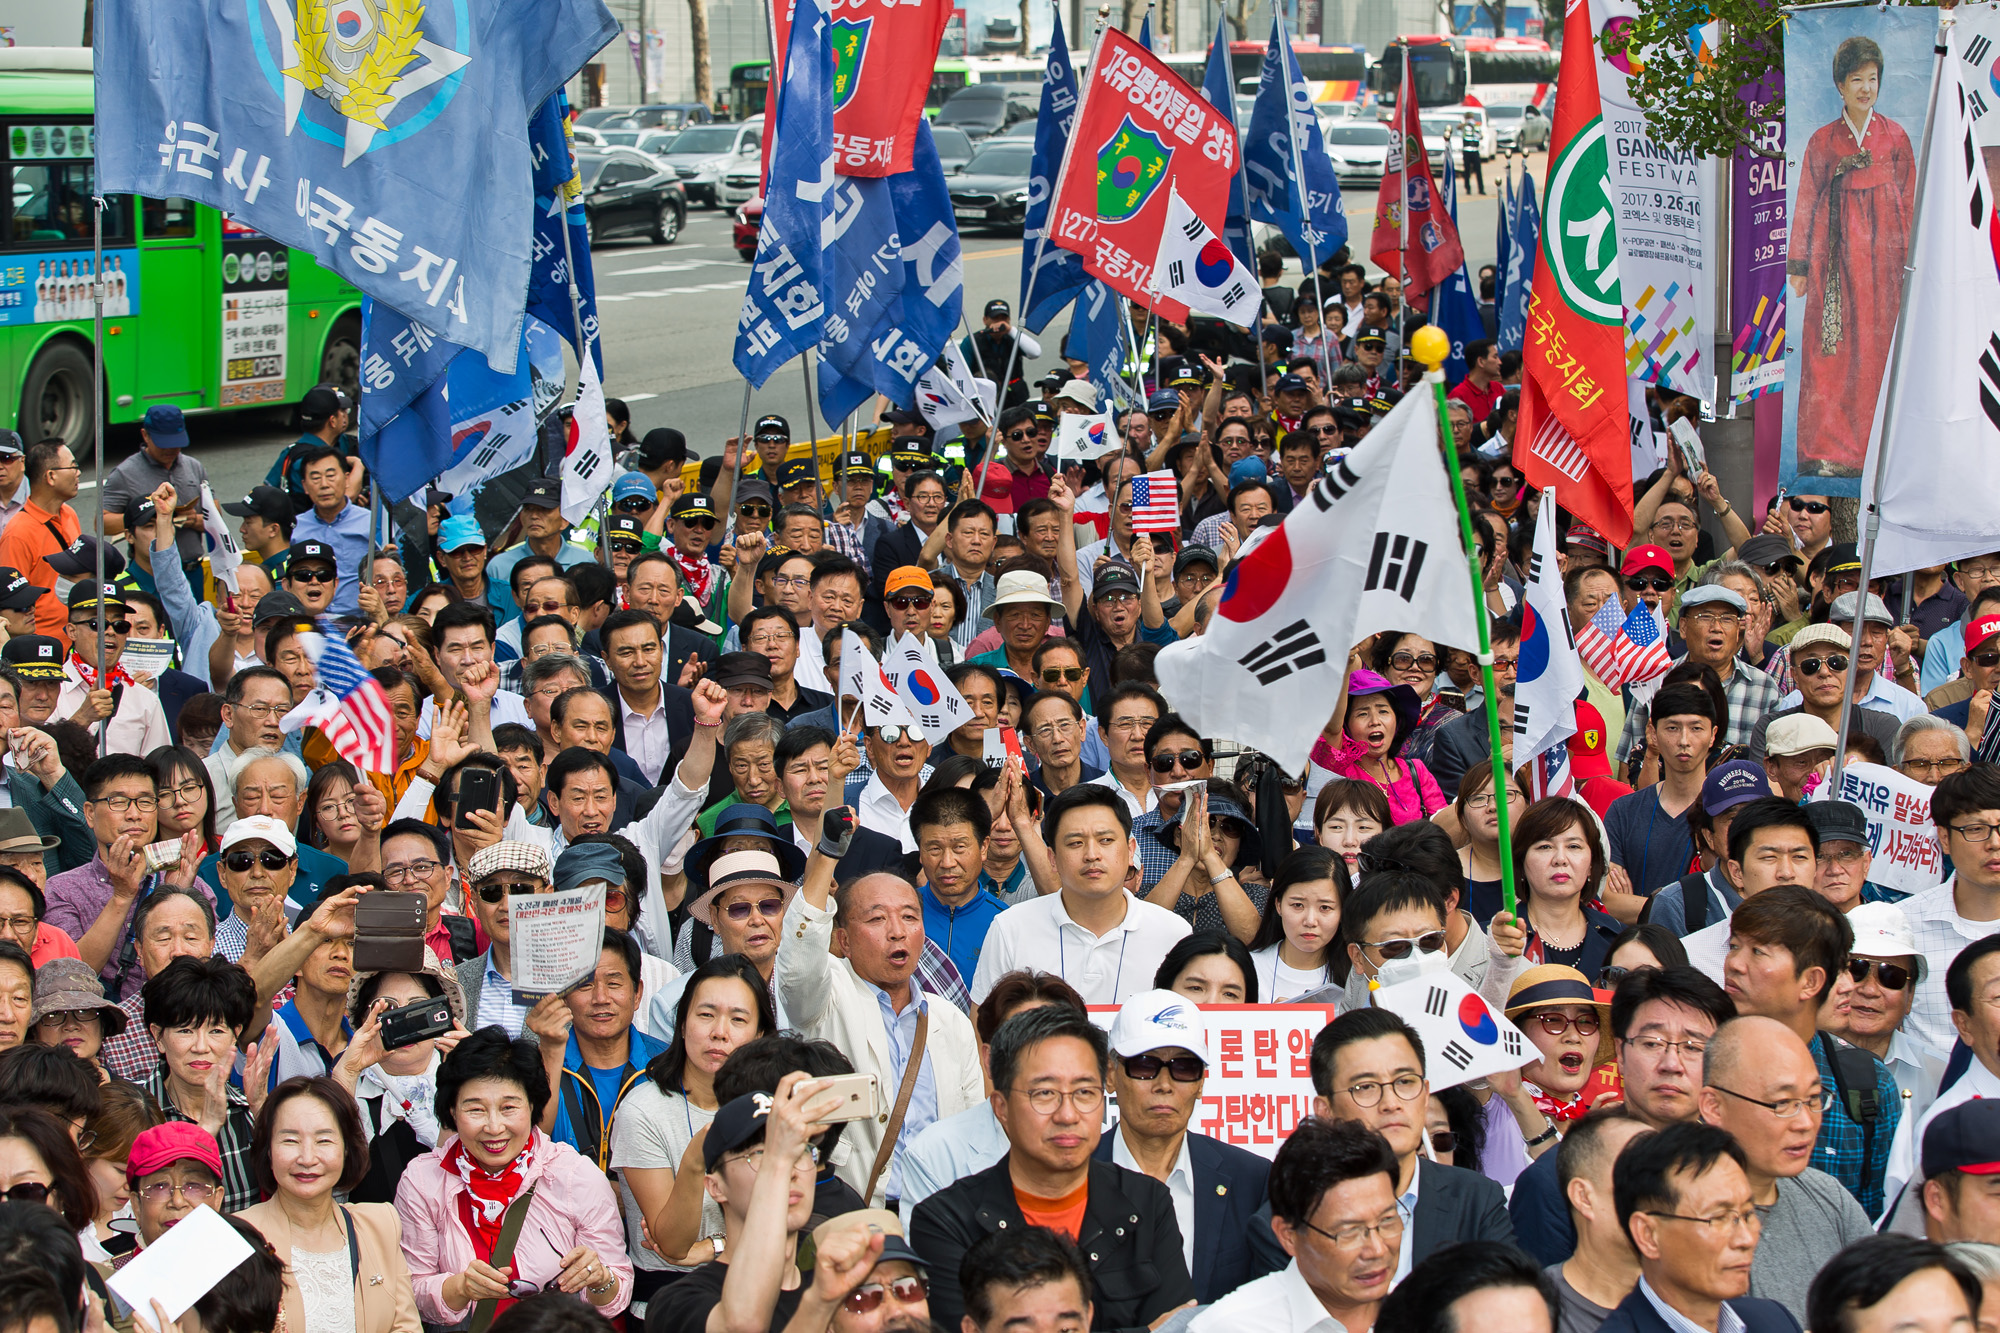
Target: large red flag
{"x":1414,"y":236}
{"x":1573,"y":413}
{"x":883,"y":54}
{"x":1139,"y":128}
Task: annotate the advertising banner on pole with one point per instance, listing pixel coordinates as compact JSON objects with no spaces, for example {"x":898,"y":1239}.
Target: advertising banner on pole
{"x":1757,"y":253}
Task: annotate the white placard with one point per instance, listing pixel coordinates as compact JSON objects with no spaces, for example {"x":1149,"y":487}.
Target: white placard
{"x":555,"y":939}
{"x":147,"y":657}
{"x":182,"y":1266}
{"x":1901,"y":837}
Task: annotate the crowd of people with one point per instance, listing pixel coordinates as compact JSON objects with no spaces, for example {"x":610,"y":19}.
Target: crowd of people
{"x":888,"y":1032}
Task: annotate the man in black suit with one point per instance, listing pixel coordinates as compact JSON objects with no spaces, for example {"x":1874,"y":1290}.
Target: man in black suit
{"x":1159,"y":1062}
{"x":1683,"y":1196}
{"x":1368,"y":1067}
{"x":651,"y":718}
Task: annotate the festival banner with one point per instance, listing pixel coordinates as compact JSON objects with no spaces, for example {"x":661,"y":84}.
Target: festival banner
{"x":1139,"y":127}
{"x":1757,"y":252}
{"x":1664,"y":199}
{"x":1901,"y":837}
{"x":883,"y":55}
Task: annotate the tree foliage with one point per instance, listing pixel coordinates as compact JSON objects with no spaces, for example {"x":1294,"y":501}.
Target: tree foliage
{"x":1690,"y":100}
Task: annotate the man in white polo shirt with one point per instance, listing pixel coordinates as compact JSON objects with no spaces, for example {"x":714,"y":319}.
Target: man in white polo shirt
{"x":1093,"y":933}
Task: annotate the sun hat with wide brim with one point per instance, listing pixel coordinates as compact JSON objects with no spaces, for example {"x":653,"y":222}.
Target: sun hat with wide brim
{"x":733,"y":870}
{"x":72,"y":986}
{"x":1552,"y":986}
{"x":446,"y":978}
{"x":1402,"y":698}
{"x":742,"y":820}
{"x":1020,"y":587}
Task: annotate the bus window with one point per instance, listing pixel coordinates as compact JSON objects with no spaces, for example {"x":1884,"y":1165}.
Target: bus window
{"x":50,"y":201}
{"x":943,"y":84}
{"x":163,"y":219}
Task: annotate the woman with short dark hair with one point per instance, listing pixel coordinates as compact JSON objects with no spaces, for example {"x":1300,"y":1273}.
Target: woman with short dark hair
{"x":196,"y":1010}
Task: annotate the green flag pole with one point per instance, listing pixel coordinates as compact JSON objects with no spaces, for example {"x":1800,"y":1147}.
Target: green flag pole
{"x":1430,"y":346}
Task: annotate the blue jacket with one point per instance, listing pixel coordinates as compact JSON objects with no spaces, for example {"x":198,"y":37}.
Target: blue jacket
{"x":960,"y":931}
{"x":581,"y":1121}
{"x":1635,"y":1314}
{"x":1228,"y":1190}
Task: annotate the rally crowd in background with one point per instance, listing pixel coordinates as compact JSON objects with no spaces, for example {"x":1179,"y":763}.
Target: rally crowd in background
{"x":1748,"y":1058}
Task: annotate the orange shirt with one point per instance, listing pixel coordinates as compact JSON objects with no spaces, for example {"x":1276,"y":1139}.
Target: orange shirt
{"x":26,"y":545}
{"x":51,"y":943}
{"x":1064,"y":1214}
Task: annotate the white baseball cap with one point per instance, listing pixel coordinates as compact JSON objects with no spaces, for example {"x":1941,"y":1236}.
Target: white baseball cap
{"x":1156,"y":1019}
{"x":260,"y":828}
{"x":1882,"y":931}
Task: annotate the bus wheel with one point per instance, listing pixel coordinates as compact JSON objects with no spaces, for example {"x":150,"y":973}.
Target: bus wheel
{"x":55,"y":399}
{"x":340,"y":362}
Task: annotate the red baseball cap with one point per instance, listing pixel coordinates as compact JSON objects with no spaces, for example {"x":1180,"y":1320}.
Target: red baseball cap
{"x":1647,"y":557}
{"x":1588,"y":749}
{"x":160,"y":1147}
{"x":1980,"y":630}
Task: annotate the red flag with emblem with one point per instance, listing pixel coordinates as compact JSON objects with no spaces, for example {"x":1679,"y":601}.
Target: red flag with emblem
{"x":1573,"y":414}
{"x":1414,"y":235}
{"x":1140,"y":129}
{"x":883,"y":54}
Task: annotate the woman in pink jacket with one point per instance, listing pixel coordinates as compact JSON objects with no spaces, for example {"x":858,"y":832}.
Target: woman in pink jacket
{"x":454,"y":1200}
{"x":1372,"y":719}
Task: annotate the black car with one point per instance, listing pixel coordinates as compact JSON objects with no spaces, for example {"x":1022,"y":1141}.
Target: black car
{"x":992,"y":189}
{"x":981,"y":109}
{"x":627,"y":193}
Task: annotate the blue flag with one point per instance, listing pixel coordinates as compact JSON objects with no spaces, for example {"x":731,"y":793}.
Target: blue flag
{"x":1146,"y":30}
{"x":1217,"y":92}
{"x":1503,"y":215}
{"x":934,"y":281}
{"x":1053,"y":283}
{"x":389,"y":141}
{"x":1455,"y":306}
{"x":1524,"y":231}
{"x":1098,"y":334}
{"x":559,"y":206}
{"x":784,"y":312}
{"x":1283,"y":142}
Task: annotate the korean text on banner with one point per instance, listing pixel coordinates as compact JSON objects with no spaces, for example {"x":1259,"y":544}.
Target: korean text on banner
{"x":883,"y":54}
{"x":1050,"y":275}
{"x":1259,"y":1085}
{"x":1140,"y":127}
{"x":1901,"y":837}
{"x":359,"y":149}
{"x":557,"y":937}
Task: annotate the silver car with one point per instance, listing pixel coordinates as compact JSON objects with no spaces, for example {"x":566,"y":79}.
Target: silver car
{"x":1359,"y":148}
{"x":718,"y":164}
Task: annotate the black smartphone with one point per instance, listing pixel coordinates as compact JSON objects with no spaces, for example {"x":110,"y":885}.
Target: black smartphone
{"x":478,"y":789}
{"x":412,"y":1023}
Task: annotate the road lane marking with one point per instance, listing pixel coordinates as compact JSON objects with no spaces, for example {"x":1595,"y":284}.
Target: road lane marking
{"x":674,"y":291}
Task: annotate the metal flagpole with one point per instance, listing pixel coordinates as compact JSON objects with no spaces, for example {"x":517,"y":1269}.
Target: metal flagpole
{"x":97,"y":428}
{"x":1890,"y":397}
{"x":1431,"y":346}
{"x":812,"y":429}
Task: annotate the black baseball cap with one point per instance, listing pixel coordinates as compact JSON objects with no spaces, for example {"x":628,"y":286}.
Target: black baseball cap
{"x":1289,"y":383}
{"x":912,"y":453}
{"x":1194,"y":553}
{"x":311,"y":550}
{"x":1839,"y":821}
{"x":78,"y":560}
{"x":663,"y":445}
{"x":624,"y":527}
{"x":10,"y":444}
{"x":16,"y":593}
{"x":1370,"y":339}
{"x":904,"y":416}
{"x":320,"y":402}
{"x":692,"y":504}
{"x":1965,"y":1137}
{"x":280,"y":605}
{"x":797,"y":472}
{"x":851,"y":463}
{"x":1187,"y":377}
{"x":736,"y":1126}
{"x":771,"y":424}
{"x":751,"y":488}
{"x":1114,"y":578}
{"x":265,"y":502}
{"x":998,"y":309}
{"x":739,"y":669}
{"x":1841,"y":557}
{"x":543,"y":493}
{"x":84,"y":596}
{"x":138,"y":511}
{"x":34,"y":656}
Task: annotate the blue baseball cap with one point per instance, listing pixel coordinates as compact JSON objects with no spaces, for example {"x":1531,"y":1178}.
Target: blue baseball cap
{"x":167,"y":427}
{"x":1247,"y":469}
{"x":1162,"y":401}
{"x":631,"y":484}
{"x":460,"y":530}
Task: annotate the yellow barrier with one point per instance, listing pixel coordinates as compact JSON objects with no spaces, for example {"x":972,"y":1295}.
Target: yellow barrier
{"x":825,"y":451}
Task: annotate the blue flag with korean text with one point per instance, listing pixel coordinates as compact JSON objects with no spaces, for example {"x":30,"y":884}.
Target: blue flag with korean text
{"x":1284,"y":142}
{"x":559,"y":206}
{"x":1051,"y":284}
{"x":784,"y":310}
{"x":1455,"y":307}
{"x":388,"y":139}
{"x":1216,"y":90}
{"x":1524,"y":233}
{"x":934,"y":270}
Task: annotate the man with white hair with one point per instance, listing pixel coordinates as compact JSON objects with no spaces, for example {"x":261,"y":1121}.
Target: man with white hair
{"x":1929,"y":749}
{"x":273,"y":783}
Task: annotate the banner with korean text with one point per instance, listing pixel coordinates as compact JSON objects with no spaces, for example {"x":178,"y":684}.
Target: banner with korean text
{"x":883,"y":54}
{"x":1901,"y":837}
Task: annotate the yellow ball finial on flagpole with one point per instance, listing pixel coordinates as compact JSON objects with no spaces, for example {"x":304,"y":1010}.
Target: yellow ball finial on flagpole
{"x":1430,"y":346}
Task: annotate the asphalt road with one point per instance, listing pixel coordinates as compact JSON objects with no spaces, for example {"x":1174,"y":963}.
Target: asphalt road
{"x":669,"y":319}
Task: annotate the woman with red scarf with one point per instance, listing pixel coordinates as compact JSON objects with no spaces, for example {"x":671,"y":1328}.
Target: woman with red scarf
{"x":1569,"y":1024}
{"x":454,"y":1200}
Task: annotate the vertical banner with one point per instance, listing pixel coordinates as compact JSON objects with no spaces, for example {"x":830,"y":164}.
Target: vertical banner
{"x":1857,"y":82}
{"x":883,"y":55}
{"x":1663,"y":200}
{"x":1757,"y":252}
{"x":255,"y":275}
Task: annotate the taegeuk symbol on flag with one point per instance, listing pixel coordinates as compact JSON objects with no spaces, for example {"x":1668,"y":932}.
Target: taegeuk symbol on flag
{"x":1196,"y":268}
{"x":1464,"y":1037}
{"x":936,"y":703}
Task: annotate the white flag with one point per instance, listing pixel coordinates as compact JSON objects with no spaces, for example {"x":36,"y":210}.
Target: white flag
{"x":1943,"y":444}
{"x":587,"y":471}
{"x":1195,"y":267}
{"x":224,"y":554}
{"x":1083,"y":439}
{"x":1374,"y":546}
{"x":931,"y":698}
{"x":1551,"y":671}
{"x":861,"y":677}
{"x":1464,"y":1037}
{"x":951,"y":393}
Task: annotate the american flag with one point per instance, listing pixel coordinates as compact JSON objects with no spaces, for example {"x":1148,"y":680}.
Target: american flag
{"x":357,"y":717}
{"x":1156,"y":503}
{"x":1550,"y":774}
{"x":1618,"y":650}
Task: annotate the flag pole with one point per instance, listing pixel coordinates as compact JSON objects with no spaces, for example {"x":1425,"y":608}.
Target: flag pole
{"x":97,"y":427}
{"x":1430,"y":345}
{"x":1305,"y":204}
{"x":812,"y":435}
{"x":1891,"y":394}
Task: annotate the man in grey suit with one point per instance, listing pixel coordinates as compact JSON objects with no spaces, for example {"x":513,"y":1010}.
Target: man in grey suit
{"x":1368,"y":1067}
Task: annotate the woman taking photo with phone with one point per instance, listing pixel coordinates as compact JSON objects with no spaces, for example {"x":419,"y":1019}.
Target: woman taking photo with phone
{"x":392,"y":1074}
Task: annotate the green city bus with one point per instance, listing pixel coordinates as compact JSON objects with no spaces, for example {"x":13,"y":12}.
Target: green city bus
{"x":200,"y":312}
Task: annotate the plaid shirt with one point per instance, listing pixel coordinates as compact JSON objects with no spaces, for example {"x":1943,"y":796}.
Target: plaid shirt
{"x":1750,"y":692}
{"x":1843,"y":1150}
{"x":1155,"y":857}
{"x":239,"y":1184}
{"x":131,"y":1054}
{"x":847,"y":541}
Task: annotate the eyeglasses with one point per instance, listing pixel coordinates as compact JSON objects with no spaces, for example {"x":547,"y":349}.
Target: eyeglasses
{"x":1974,"y":832}
{"x":1146,"y":1068}
{"x":337,"y":809}
{"x":74,"y":1018}
{"x":1937,"y":766}
{"x":1428,"y":942}
{"x":1655,"y":1047}
{"x":754,"y":510}
{"x":903,"y":601}
{"x":704,"y":524}
{"x":1555,"y":1024}
{"x":1637,"y":584}
{"x":1046,"y":1100}
{"x":1674,"y":525}
{"x":1049,"y":731}
{"x":754,"y":1159}
{"x":1719,"y":1225}
{"x":313,"y":574}
{"x":547,"y":608}
{"x":195,"y":1192}
{"x":1799,"y":506}
{"x":1368,"y":1092}
{"x":271,"y":859}
{"x":771,"y":907}
{"x":1709,"y":615}
{"x":1061,"y":675}
{"x":22,"y":926}
{"x":493,"y":893}
{"x":1166,"y":761}
{"x":1891,"y":976}
{"x":1788,"y":1109}
{"x":1422,"y":661}
{"x":118,"y":805}
{"x":404,"y":871}
{"x":891,"y":732}
{"x":114,"y":626}
{"x":1356,"y":1234}
{"x":263,"y":712}
{"x":1833,"y":662}
{"x":187,"y":791}
{"x":908,"y":1290}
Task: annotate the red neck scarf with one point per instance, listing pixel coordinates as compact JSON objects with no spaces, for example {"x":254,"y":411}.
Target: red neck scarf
{"x":696,"y":571}
{"x":116,"y":674}
{"x":483,"y":1205}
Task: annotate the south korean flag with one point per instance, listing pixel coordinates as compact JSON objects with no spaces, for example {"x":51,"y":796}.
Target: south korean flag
{"x":1197,"y":268}
{"x":1464,"y":1037}
{"x":861,"y":677}
{"x":930,"y":697}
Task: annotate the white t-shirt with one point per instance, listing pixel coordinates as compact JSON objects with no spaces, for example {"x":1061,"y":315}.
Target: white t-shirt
{"x":653,"y":1130}
{"x":1277,"y":983}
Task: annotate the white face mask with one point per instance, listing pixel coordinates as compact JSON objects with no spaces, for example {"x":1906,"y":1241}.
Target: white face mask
{"x":61,"y":590}
{"x":1395,"y":971}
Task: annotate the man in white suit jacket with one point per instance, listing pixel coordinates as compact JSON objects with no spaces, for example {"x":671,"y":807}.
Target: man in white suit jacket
{"x":870,"y":1004}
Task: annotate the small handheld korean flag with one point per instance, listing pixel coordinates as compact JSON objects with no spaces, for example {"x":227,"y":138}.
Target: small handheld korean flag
{"x":924,"y":690}
{"x":1551,"y":672}
{"x":1197,"y":268}
{"x":1082,"y":439}
{"x":862,"y":678}
{"x":1464,"y":1037}
{"x":225,"y":554}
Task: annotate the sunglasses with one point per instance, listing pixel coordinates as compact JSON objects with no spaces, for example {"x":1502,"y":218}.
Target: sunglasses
{"x":1146,"y":1068}
{"x":1404,"y":661}
{"x":1657,"y":585}
{"x":1834,"y":662}
{"x":704,"y":524}
{"x":1443,"y":1140}
{"x":768,"y":907}
{"x":633,"y":504}
{"x":493,"y":893}
{"x":754,"y":510}
{"x":627,"y":548}
{"x":1167,"y":760}
{"x":27,"y":1192}
{"x":1986,"y":660}
{"x":271,"y":859}
{"x":1806,"y":506}
{"x":904,"y":601}
{"x":909,"y":1290}
{"x":1892,"y":976}
{"x":114,"y":626}
{"x":890,"y":733}
{"x":1018,"y":435}
{"x":314,"y":575}
{"x":1608,"y":976}
{"x":1057,"y":675}
{"x":1429,"y":942}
